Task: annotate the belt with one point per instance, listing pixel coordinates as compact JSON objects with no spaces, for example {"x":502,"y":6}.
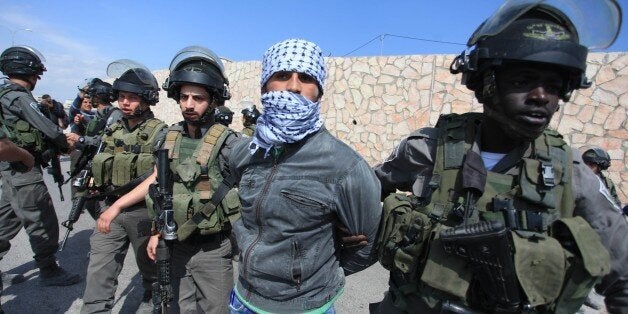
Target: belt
{"x":198,"y":239}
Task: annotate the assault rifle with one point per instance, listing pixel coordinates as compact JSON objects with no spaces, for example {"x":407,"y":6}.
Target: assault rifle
{"x":165,"y":224}
{"x":55,"y":171}
{"x":84,"y":161}
{"x":83,"y":183}
{"x":487,"y":247}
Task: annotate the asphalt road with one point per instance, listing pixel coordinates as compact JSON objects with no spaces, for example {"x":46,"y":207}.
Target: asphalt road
{"x":29,"y":297}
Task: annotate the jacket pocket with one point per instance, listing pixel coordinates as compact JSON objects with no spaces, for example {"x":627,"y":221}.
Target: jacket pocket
{"x":300,"y":198}
{"x":305,"y":209}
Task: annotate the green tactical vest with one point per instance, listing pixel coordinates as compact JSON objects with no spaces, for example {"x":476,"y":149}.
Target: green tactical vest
{"x":196,"y":174}
{"x":553,"y":274}
{"x":249,"y":130}
{"x":126,"y":155}
{"x":20,"y":131}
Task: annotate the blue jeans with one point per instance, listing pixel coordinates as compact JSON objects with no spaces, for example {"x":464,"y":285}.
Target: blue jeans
{"x":237,"y":307}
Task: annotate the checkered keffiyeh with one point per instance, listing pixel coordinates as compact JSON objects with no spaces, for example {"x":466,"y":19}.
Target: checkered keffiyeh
{"x":288,"y":118}
{"x":296,"y":55}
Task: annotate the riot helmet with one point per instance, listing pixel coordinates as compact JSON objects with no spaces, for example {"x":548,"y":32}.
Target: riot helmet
{"x":201,"y":66}
{"x":22,"y":60}
{"x":223,"y":115}
{"x":250,"y":113}
{"x":552,"y":32}
{"x":133,"y":77}
{"x":87,"y":83}
{"x":597,"y":156}
{"x":100,"y":92}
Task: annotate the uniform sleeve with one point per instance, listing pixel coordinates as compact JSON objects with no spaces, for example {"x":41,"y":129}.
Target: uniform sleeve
{"x":606,"y":219}
{"x":115,"y":116}
{"x":30,"y":112}
{"x":410,"y":165}
{"x":225,"y":152}
{"x":359,"y":209}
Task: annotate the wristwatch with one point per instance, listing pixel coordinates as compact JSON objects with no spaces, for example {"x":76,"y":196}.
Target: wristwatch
{"x":82,"y":140}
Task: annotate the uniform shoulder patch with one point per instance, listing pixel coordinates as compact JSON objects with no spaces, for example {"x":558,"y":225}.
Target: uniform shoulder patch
{"x":35,"y":107}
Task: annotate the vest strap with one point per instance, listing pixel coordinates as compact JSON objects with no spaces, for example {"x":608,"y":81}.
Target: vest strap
{"x":211,"y":138}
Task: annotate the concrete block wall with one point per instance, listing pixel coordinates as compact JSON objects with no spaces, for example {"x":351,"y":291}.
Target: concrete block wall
{"x":371,"y":103}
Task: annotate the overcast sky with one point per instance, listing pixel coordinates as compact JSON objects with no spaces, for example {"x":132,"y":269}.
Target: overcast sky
{"x":79,"y":38}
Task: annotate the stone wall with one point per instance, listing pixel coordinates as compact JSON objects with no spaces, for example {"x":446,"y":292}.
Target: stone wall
{"x":371,"y":103}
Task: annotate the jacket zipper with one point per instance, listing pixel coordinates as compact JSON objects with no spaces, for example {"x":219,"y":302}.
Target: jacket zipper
{"x":296,"y":268}
{"x":258,"y":220}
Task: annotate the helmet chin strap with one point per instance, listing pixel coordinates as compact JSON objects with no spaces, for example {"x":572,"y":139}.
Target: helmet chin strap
{"x":139,"y":111}
{"x":207,"y":117}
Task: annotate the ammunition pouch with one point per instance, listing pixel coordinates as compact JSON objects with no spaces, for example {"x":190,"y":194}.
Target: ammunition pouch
{"x":587,"y":260}
{"x":561,"y":270}
{"x":404,"y":232}
{"x":102,"y":166}
{"x":123,"y":169}
{"x":28,"y":137}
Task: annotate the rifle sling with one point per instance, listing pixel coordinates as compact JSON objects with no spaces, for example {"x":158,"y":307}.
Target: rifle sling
{"x":123,"y":189}
{"x":209,"y":207}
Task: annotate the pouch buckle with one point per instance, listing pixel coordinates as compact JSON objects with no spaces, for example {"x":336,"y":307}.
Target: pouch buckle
{"x":548,"y":174}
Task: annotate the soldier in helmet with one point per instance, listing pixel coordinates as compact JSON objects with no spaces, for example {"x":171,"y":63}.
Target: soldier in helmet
{"x":249,"y":117}
{"x":502,"y":215}
{"x":101,"y":95}
{"x":25,"y":198}
{"x":598,"y":160}
{"x":125,"y":161}
{"x":223,"y":115}
{"x":198,"y":147}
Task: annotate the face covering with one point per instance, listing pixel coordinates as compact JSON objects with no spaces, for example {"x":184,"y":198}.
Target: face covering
{"x":288,"y":118}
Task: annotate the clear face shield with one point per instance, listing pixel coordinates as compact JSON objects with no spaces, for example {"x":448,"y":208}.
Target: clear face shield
{"x":86,"y":84}
{"x":210,"y":71}
{"x":118,"y":68}
{"x":597,"y":22}
{"x":196,"y":53}
{"x":34,"y":52}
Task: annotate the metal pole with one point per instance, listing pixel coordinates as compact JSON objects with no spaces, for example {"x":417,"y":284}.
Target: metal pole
{"x":13,"y":32}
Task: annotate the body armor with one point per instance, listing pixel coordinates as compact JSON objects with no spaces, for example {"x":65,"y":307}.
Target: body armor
{"x":19,"y":131}
{"x":534,"y":199}
{"x":127,"y":155}
{"x":196,"y":174}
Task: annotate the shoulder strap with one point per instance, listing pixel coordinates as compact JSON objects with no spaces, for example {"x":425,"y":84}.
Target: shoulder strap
{"x":151,"y":127}
{"x":214,"y":137}
{"x":173,"y":138}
